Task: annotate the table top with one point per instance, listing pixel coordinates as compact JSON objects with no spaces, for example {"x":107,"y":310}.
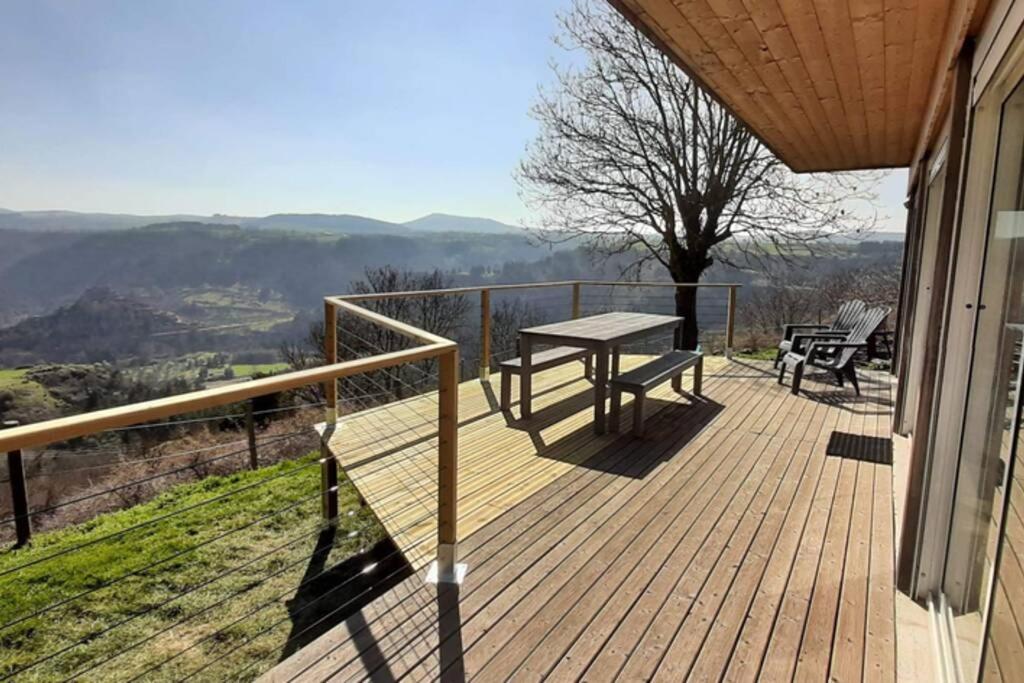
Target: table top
{"x":606,"y":327}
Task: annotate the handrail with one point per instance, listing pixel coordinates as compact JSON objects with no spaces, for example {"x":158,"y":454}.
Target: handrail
{"x":390,"y":323}
{"x":378,"y":296}
{"x":60,"y":429}
{"x":63,"y":428}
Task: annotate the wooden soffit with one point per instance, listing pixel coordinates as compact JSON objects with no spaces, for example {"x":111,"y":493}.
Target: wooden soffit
{"x":826,"y":84}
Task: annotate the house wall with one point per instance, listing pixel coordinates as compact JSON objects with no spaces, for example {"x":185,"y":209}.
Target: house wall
{"x":958,"y":537}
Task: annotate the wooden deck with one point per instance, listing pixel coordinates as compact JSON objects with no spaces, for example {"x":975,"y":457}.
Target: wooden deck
{"x":725,"y":543}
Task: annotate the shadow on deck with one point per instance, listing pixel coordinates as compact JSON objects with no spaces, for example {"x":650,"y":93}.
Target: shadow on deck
{"x":726,"y":542}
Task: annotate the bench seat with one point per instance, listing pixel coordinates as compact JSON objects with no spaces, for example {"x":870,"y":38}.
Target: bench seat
{"x":540,"y":360}
{"x":638,"y":380}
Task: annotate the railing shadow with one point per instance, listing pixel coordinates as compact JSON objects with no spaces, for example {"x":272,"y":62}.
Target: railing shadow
{"x":327,"y":597}
{"x":449,"y":634}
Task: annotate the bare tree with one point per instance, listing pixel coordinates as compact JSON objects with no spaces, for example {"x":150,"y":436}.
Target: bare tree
{"x":357,"y":337}
{"x":634,"y":158}
{"x":507,"y":318}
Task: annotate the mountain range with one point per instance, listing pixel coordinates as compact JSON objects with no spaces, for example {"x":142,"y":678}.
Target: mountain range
{"x":338,"y":224}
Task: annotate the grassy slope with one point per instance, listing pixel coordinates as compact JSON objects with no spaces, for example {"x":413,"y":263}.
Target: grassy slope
{"x":38,"y":403}
{"x":253,"y":571}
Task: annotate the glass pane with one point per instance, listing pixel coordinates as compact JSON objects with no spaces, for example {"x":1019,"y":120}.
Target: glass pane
{"x":991,"y":430}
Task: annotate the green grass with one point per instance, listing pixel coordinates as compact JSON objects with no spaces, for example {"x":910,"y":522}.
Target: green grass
{"x":27,"y":393}
{"x":758,"y":354}
{"x":237,"y":560}
{"x":249,"y":369}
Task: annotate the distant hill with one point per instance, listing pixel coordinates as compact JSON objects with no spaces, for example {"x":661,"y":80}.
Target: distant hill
{"x":101,"y":324}
{"x":887,"y":237}
{"x":336,"y":224}
{"x":442,"y":222}
{"x":73,"y":221}
{"x":341,"y":224}
{"x":158,"y":263}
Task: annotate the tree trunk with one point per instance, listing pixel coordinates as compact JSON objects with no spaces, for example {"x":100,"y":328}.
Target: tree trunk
{"x":686,"y":306}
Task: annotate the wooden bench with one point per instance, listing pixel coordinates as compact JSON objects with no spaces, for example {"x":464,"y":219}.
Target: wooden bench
{"x":638,"y":380}
{"x":541,"y":360}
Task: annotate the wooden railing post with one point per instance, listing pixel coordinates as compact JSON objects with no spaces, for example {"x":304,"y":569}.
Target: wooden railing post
{"x":330,"y":358}
{"x":730,"y":322}
{"x":485,"y":334}
{"x":328,"y":479}
{"x":446,"y":569}
{"x":250,"y":431}
{"x":19,"y":494}
{"x":575,"y":300}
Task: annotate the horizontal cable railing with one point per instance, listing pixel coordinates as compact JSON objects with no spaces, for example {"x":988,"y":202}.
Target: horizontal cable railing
{"x":214,"y":557}
{"x":259,"y":544}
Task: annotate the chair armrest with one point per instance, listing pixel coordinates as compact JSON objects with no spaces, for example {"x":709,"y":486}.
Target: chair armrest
{"x":799,"y":340}
{"x":825,"y":344}
{"x":789,"y":328}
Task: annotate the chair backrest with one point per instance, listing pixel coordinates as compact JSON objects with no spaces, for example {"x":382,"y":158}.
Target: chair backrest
{"x":848,"y":315}
{"x":870,"y":320}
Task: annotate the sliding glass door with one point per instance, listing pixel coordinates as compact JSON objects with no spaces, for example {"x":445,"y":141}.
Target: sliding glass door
{"x":984,"y":573}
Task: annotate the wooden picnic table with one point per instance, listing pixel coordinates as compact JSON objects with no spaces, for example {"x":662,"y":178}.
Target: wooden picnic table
{"x":604,"y":334}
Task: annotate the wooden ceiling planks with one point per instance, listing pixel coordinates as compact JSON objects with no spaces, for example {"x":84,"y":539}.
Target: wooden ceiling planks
{"x":826,"y":84}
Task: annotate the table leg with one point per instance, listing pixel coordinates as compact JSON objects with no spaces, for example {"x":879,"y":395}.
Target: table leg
{"x":615,"y":361}
{"x":600,"y":390}
{"x":526,"y":376}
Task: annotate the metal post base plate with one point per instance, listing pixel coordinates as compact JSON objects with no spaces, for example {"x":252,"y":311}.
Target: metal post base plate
{"x":456,"y":576}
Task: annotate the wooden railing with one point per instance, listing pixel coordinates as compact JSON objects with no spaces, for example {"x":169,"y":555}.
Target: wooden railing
{"x":485,"y":291}
{"x":429,"y":346}
{"x":18,"y":438}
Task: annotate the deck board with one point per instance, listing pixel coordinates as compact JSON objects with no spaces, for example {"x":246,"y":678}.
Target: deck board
{"x":724,"y":544}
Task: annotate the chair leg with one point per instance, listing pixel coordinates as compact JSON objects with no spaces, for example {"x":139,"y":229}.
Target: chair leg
{"x":698,"y":377}
{"x":778,"y":357}
{"x":616,"y":410}
{"x":506,"y":390}
{"x":638,"y":414}
{"x":851,"y":374}
{"x":782,"y":373}
{"x":839,"y":376}
{"x":798,"y":374}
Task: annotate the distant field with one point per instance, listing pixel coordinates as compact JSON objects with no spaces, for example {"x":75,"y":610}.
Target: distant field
{"x":209,"y":580}
{"x":235,"y":308}
{"x":248,"y":370}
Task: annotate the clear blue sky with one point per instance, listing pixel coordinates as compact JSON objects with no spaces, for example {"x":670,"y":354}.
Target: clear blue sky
{"x":388,"y":109}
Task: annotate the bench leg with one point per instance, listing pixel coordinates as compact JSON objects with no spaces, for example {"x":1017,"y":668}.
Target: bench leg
{"x":698,"y":377}
{"x":638,"y":414}
{"x":506,"y":390}
{"x":616,"y":412}
{"x":677,"y":383}
{"x":798,"y":374}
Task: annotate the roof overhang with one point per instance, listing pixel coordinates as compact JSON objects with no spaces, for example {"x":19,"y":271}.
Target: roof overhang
{"x":825,"y":85}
